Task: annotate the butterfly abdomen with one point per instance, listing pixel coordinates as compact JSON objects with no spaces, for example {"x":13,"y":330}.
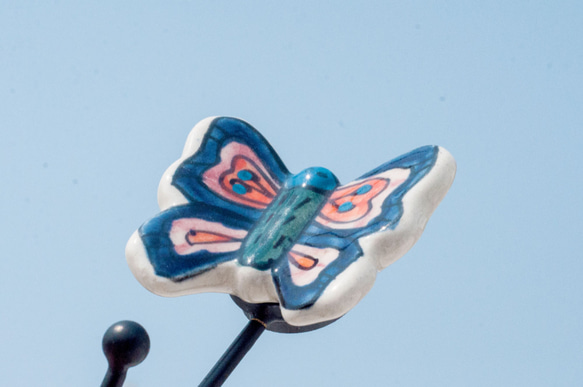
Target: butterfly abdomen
{"x":284,"y":220}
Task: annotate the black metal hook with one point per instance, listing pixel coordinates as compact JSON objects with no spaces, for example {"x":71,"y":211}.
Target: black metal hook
{"x":127,"y":344}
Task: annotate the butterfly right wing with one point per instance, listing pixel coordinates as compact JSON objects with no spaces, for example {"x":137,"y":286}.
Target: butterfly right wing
{"x":365,"y":225}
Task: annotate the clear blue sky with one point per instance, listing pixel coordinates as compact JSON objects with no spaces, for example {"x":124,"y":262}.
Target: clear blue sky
{"x":96,"y":101}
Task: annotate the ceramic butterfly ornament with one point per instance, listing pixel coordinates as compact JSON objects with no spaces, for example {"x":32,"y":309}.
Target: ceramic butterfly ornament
{"x":235,"y":220}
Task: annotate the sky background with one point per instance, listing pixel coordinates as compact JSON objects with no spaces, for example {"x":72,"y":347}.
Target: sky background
{"x":97,"y":99}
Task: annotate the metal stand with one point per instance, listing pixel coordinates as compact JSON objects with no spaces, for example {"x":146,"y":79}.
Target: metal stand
{"x":126,"y":343}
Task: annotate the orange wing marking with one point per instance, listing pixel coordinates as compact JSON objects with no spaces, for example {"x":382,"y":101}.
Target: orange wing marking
{"x":196,"y":237}
{"x":190,"y":235}
{"x":353,"y":202}
{"x":241,"y":177}
{"x":301,"y":261}
{"x":246,"y":181}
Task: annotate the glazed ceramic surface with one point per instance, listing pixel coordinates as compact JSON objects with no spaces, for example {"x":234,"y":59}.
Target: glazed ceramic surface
{"x":235,"y":220}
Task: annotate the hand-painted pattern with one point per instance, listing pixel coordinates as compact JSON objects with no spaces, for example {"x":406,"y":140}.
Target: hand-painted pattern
{"x":245,"y":208}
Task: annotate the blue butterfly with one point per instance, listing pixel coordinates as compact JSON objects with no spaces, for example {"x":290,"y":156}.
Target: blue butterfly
{"x":235,"y":220}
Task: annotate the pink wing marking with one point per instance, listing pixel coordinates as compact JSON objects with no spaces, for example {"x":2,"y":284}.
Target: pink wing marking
{"x":258,"y":188}
{"x":190,"y":235}
{"x":307,"y":262}
{"x":331,"y":218}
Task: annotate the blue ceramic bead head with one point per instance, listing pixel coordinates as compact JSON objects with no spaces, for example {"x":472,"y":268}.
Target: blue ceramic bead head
{"x":235,"y":220}
{"x":317,"y":178}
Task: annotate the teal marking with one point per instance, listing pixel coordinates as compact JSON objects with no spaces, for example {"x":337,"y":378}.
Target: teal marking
{"x":346,"y":206}
{"x":239,"y":188}
{"x":245,"y":175}
{"x":364,"y":189}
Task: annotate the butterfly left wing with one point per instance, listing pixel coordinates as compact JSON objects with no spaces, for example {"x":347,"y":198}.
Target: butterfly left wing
{"x":210,"y":198}
{"x":226,"y":164}
{"x":177,"y":246}
{"x":364,"y":226}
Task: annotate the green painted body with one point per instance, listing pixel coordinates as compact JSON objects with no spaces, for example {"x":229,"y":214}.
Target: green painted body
{"x":284,"y":220}
{"x":280,"y":226}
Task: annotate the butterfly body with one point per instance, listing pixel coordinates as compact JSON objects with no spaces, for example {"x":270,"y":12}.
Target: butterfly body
{"x":235,"y":220}
{"x":285,"y":219}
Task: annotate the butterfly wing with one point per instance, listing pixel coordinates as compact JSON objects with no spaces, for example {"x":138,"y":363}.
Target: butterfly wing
{"x":227,"y":164}
{"x":227,"y":175}
{"x":365,"y":225}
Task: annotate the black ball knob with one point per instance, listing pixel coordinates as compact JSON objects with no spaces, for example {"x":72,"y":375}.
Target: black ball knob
{"x":125,"y":344}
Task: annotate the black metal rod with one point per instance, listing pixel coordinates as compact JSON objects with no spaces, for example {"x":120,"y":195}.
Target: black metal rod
{"x":114,"y":378}
{"x":233,"y":355}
